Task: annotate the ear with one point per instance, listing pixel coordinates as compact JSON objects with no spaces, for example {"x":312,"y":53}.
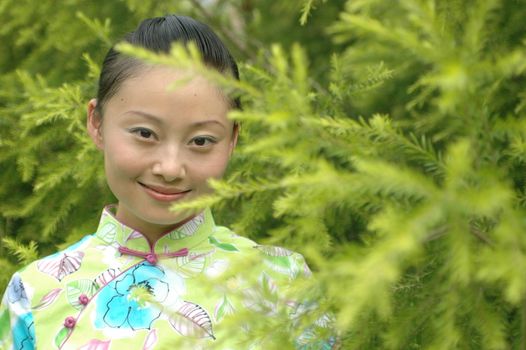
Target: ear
{"x":94,"y":124}
{"x":233,"y":140}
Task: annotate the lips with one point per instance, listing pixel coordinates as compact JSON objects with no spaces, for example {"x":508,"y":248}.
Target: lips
{"x":164,"y":190}
{"x":164,"y":194}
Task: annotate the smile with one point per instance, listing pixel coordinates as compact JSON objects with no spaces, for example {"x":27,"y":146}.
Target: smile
{"x":164,"y":194}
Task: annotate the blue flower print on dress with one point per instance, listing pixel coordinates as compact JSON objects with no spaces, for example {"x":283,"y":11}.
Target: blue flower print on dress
{"x":130,"y":300}
{"x":16,"y":292}
{"x":24,"y":333}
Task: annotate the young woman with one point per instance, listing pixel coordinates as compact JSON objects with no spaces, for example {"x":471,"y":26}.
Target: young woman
{"x":149,"y":277}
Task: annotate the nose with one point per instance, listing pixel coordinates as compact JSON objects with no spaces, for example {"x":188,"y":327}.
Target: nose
{"x":169,"y":164}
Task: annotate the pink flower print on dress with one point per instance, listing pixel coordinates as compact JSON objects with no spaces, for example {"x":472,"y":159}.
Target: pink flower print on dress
{"x":96,"y":344}
{"x":151,"y":340}
{"x":48,"y":299}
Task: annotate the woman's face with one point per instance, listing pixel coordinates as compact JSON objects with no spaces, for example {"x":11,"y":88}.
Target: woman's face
{"x":161,"y":145}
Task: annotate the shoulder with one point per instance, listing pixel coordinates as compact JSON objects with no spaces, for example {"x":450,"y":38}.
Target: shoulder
{"x":276,"y":261}
{"x":49,"y":271}
{"x":16,"y":318}
{"x":15,"y":295}
{"x":75,"y":250}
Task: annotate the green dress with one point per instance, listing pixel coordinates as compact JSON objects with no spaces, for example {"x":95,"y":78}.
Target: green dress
{"x":113,"y":290}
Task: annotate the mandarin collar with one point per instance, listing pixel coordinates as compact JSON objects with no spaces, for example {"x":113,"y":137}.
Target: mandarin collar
{"x":113,"y":232}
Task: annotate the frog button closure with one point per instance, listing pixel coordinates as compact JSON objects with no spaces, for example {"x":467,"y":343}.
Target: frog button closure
{"x":70,"y":322}
{"x":83,"y":299}
{"x":151,"y":258}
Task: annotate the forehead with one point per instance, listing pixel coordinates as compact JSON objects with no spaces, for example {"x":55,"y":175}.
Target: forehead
{"x":167,"y":91}
{"x":169,"y":81}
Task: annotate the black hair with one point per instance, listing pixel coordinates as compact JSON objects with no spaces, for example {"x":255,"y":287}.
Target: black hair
{"x":157,"y":34}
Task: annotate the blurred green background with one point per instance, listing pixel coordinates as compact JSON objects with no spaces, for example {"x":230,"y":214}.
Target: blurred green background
{"x":383,"y":140}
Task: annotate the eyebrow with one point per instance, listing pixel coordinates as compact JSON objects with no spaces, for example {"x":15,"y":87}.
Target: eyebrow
{"x":159,"y":121}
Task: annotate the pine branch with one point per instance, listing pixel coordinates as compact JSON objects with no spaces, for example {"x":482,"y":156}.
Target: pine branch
{"x":24,"y":253}
{"x":241,"y":46}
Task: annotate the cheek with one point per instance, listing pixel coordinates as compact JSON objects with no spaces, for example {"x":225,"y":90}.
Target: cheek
{"x":121,"y":160}
{"x":214,"y":167}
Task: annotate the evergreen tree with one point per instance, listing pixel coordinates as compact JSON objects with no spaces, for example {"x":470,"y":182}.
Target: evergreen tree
{"x":394,"y":160}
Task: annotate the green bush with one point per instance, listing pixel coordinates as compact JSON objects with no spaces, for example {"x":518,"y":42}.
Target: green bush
{"x":383,"y":140}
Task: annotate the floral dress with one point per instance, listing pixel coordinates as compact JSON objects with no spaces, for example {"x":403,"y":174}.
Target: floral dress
{"x":113,"y":290}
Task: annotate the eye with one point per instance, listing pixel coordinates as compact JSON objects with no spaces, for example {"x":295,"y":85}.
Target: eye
{"x":143,"y":133}
{"x":202,"y":141}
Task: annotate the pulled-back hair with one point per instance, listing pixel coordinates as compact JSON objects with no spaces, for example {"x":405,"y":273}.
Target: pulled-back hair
{"x":157,"y":35}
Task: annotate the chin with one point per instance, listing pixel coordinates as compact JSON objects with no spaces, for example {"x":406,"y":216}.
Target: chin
{"x":168,"y":219}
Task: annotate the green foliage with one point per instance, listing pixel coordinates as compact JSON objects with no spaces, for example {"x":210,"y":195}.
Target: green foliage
{"x":25,"y":254}
{"x":388,"y":148}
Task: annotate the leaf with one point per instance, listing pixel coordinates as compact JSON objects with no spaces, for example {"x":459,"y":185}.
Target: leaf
{"x":48,"y":299}
{"x":228,"y":247}
{"x":106,"y":277}
{"x":190,"y":265}
{"x":268,"y":285}
{"x":253,"y":300}
{"x":279,"y":264}
{"x":95,"y":344}
{"x":223,"y":308}
{"x":24,"y":253}
{"x":76,"y":288}
{"x":306,"y":9}
{"x":191,"y":320}
{"x":61,"y":336}
{"x":213,"y":240}
{"x":281,"y":261}
{"x":217,"y":268}
{"x":134,"y":235}
{"x":273,"y":251}
{"x":188,"y":229}
{"x":225,"y":246}
{"x":191,"y":227}
{"x":150,"y":341}
{"x":107,"y":232}
{"x":61,"y":266}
